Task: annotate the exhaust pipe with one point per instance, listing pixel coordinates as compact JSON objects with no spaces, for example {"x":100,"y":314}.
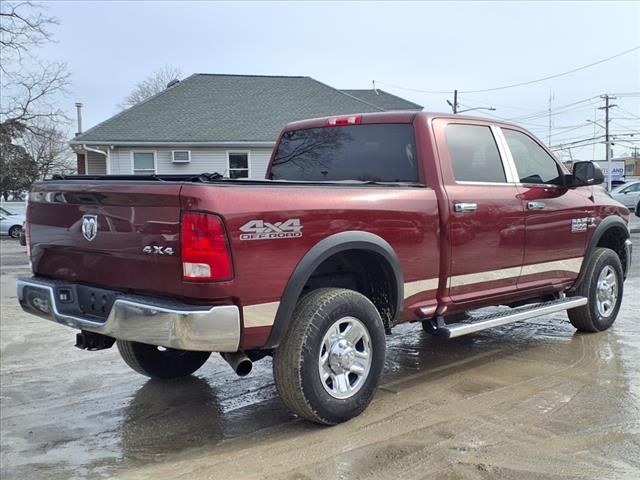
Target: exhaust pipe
{"x":239,"y":362}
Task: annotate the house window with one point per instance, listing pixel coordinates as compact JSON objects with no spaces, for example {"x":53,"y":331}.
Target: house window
{"x":238,"y":164}
{"x":144,"y":163}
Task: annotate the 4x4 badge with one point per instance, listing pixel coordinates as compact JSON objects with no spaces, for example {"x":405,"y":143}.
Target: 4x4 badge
{"x":89,"y":227}
{"x":261,"y":230}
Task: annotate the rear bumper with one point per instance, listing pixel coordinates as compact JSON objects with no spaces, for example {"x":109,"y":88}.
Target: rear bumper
{"x":140,"y":319}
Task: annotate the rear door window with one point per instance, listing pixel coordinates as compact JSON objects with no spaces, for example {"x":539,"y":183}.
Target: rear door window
{"x":374,"y":152}
{"x":474,"y":154}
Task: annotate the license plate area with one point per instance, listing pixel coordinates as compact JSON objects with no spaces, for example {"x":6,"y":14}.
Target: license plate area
{"x":84,"y":301}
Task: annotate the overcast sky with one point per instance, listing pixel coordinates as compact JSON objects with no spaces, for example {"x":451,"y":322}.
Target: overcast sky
{"x":432,"y":46}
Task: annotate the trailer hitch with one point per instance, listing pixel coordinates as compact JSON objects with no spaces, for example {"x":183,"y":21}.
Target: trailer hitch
{"x":93,"y":341}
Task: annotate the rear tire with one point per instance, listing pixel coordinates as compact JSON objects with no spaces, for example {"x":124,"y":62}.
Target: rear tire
{"x":328,"y":366}
{"x":603,"y":286}
{"x":156,"y":362}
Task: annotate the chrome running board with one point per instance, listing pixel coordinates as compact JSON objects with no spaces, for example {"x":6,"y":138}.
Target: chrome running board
{"x":482,"y":322}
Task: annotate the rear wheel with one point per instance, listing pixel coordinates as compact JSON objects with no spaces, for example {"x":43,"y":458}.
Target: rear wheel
{"x":329,"y":365}
{"x":160,"y":362}
{"x":603,"y":287}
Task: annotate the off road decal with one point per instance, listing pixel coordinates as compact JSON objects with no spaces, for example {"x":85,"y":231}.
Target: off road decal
{"x":261,"y":230}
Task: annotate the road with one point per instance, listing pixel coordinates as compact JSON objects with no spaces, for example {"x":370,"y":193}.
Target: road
{"x":533,"y":400}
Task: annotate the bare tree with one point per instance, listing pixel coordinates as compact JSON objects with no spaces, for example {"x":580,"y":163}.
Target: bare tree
{"x":29,"y":86}
{"x":29,"y":89}
{"x":49,"y":150}
{"x":152,"y":85}
{"x":23,"y":26}
{"x":29,"y":97}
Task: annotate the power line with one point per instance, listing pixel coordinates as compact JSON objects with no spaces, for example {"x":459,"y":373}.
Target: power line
{"x":412,"y":89}
{"x":630,"y":113}
{"x":521,"y":84}
{"x":559,"y":109}
{"x":555,"y":75}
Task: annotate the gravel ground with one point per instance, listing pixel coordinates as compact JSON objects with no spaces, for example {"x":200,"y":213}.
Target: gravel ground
{"x":533,"y":400}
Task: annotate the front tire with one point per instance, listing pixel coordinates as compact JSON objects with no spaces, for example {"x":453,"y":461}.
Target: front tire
{"x":159,"y":362}
{"x":603,"y":287}
{"x":331,"y":361}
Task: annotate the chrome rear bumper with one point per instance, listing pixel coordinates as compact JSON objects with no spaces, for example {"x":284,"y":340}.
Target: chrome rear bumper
{"x":140,"y":319}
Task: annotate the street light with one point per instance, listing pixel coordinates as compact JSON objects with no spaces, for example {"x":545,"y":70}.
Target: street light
{"x":491,"y":109}
{"x":595,"y":123}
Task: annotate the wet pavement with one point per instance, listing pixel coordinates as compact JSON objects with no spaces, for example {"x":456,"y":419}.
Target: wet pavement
{"x":533,"y":400}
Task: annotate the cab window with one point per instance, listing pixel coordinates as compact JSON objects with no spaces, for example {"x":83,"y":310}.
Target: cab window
{"x":533,"y":164}
{"x":474,"y":154}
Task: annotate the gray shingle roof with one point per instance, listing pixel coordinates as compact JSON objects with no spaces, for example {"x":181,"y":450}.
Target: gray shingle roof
{"x":383,"y":99}
{"x":227,"y":108}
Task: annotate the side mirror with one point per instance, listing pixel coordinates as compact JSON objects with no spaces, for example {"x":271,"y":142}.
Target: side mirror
{"x":584,"y":174}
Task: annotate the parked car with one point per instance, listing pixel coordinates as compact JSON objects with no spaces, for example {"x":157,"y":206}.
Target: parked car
{"x":23,"y":235}
{"x":10,"y":223}
{"x":628,"y":194}
{"x":365,"y":222}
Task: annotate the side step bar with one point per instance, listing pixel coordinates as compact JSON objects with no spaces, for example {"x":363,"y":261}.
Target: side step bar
{"x":482,"y":322}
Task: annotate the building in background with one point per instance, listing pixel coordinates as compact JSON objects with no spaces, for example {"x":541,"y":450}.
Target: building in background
{"x":216,"y":123}
{"x":632,"y":163}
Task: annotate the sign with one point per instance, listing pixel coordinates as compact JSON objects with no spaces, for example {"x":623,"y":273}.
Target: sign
{"x":617,"y":169}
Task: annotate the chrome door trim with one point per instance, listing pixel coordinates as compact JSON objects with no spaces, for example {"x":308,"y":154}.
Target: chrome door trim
{"x":505,"y":154}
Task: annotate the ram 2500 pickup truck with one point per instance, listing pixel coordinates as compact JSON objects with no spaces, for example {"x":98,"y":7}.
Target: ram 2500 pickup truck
{"x":363,"y":222}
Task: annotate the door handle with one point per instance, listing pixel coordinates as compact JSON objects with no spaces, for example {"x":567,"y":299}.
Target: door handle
{"x":536,"y":205}
{"x":465,"y":207}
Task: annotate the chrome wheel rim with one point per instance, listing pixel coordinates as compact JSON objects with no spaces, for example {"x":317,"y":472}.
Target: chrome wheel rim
{"x":345,"y":358}
{"x":607,"y":291}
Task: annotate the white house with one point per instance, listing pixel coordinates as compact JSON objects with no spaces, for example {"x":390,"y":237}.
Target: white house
{"x":215,"y":123}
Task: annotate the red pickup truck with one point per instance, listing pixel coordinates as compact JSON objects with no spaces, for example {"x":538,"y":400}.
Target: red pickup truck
{"x":364,"y":222}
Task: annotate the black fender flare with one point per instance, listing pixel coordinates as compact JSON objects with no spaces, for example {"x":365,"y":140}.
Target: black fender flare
{"x":608,"y":223}
{"x":325,"y":248}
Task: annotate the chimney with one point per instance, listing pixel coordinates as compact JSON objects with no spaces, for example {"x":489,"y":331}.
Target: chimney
{"x":79,"y":115}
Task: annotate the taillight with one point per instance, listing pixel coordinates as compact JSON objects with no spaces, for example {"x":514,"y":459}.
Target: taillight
{"x":205,"y":251}
{"x":346,"y":120}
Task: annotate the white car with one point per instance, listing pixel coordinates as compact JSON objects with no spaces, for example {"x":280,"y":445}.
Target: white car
{"x":628,"y":194}
{"x":10,"y":223}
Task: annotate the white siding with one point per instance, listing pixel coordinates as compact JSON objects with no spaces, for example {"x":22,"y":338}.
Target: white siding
{"x":96,"y":164}
{"x":203,"y":159}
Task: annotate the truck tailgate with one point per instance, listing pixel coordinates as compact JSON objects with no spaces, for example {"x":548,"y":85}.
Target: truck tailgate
{"x":124,"y":236}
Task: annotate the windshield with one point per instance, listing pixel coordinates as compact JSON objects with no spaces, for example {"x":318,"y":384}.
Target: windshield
{"x":5,"y":212}
{"x":375,"y":152}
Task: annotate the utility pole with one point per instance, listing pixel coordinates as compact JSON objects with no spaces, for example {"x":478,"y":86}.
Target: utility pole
{"x":454,"y":105}
{"x":550,"y":99}
{"x":606,"y":108}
